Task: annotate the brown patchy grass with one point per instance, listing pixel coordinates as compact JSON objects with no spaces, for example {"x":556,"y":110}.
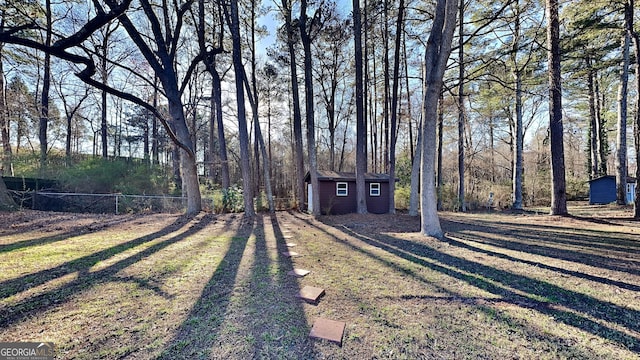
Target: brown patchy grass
{"x":499,"y":286}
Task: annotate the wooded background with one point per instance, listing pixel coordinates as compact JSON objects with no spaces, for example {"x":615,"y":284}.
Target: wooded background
{"x":167,"y":81}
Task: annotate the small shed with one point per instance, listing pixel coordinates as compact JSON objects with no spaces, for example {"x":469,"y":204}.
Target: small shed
{"x":602,"y":190}
{"x":337,"y":192}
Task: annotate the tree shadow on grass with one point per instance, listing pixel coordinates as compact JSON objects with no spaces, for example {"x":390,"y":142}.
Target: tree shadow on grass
{"x":85,"y":279}
{"x":198,"y":333}
{"x":569,"y":307}
{"x":73,"y":232}
{"x":83,"y":264}
{"x":603,"y":280}
{"x":266,"y":318}
{"x":563,"y":305}
{"x":585,"y":248}
{"x":277,"y":319}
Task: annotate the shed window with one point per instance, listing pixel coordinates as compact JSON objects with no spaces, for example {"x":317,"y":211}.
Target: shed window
{"x":374,"y":189}
{"x":342,"y":189}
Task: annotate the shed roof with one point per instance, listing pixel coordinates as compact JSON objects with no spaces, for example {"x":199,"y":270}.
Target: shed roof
{"x":329,"y":175}
{"x":629,"y":178}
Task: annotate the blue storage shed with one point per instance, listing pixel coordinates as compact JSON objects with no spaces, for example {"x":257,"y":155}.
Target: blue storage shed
{"x":602,"y":190}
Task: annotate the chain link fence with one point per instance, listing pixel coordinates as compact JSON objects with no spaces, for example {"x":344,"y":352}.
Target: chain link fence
{"x":103,"y":203}
{"x":140,"y":204}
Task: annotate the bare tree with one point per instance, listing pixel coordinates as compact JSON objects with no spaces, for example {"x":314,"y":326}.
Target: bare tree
{"x":558,"y":183}
{"x":46,"y":85}
{"x":159,"y":48}
{"x":103,"y":44}
{"x":361,"y":130}
{"x":266,"y":168}
{"x":209,"y":51}
{"x":72,"y":104}
{"x":636,"y":130}
{"x":394,"y":108}
{"x":461,"y":110}
{"x":6,"y":164}
{"x":243,"y":135}
{"x":291,"y":36}
{"x":621,"y":158}
{"x":436,"y":57}
{"x":308,"y":29}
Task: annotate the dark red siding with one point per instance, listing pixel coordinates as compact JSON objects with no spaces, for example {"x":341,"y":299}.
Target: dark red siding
{"x":332,"y":204}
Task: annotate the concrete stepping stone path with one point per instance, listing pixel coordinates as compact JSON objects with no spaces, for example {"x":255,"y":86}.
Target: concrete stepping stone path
{"x":325,"y":329}
{"x":328,"y":330}
{"x":299,"y":272}
{"x":310,"y":294}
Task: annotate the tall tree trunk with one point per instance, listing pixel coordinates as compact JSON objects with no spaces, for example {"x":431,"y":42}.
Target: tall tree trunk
{"x":621,"y":158}
{"x":261,"y":145}
{"x":305,"y":36}
{"x":212,"y":154}
{"x":256,"y":98}
{"x":492,"y":148}
{"x":361,"y":127}
{"x":154,"y":126}
{"x":46,"y":83}
{"x":518,"y":144}
{"x":222,"y":142}
{"x":593,"y":125}
{"x":367,"y":101}
{"x":103,"y":112}
{"x":518,"y":132}
{"x":439,"y":149}
{"x":414,"y":195}
{"x":6,"y":166}
{"x":145,"y":136}
{"x":385,"y":110}
{"x":436,"y":55}
{"x":409,"y":111}
{"x":373,"y":117}
{"x":461,"y":113}
{"x":394,"y":109}
{"x":243,"y":135}
{"x":558,"y":183}
{"x":601,"y":129}
{"x":636,"y":129}
{"x":297,"y":115}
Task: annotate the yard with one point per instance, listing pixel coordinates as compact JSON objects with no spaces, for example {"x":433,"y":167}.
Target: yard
{"x":500,"y":286}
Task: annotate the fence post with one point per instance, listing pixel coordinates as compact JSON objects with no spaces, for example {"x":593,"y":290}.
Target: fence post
{"x":116,"y":204}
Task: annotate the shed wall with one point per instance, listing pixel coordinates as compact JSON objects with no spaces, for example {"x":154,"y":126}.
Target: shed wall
{"x":602,"y":191}
{"x":336,"y":205}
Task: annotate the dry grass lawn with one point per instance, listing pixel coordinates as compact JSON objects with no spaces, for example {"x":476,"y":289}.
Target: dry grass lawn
{"x":499,"y":286}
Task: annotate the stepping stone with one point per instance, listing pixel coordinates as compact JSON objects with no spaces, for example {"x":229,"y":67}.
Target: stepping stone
{"x":298,"y":272}
{"x":291,"y":244}
{"x":287,"y":237}
{"x":290,"y":253}
{"x":310,"y":294}
{"x":328,"y":329}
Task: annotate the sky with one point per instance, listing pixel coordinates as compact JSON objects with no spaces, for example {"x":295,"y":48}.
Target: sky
{"x":272,"y":22}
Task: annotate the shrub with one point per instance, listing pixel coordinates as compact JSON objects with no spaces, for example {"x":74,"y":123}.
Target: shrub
{"x":402,"y":197}
{"x":98,"y":175}
{"x":232,"y":200}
